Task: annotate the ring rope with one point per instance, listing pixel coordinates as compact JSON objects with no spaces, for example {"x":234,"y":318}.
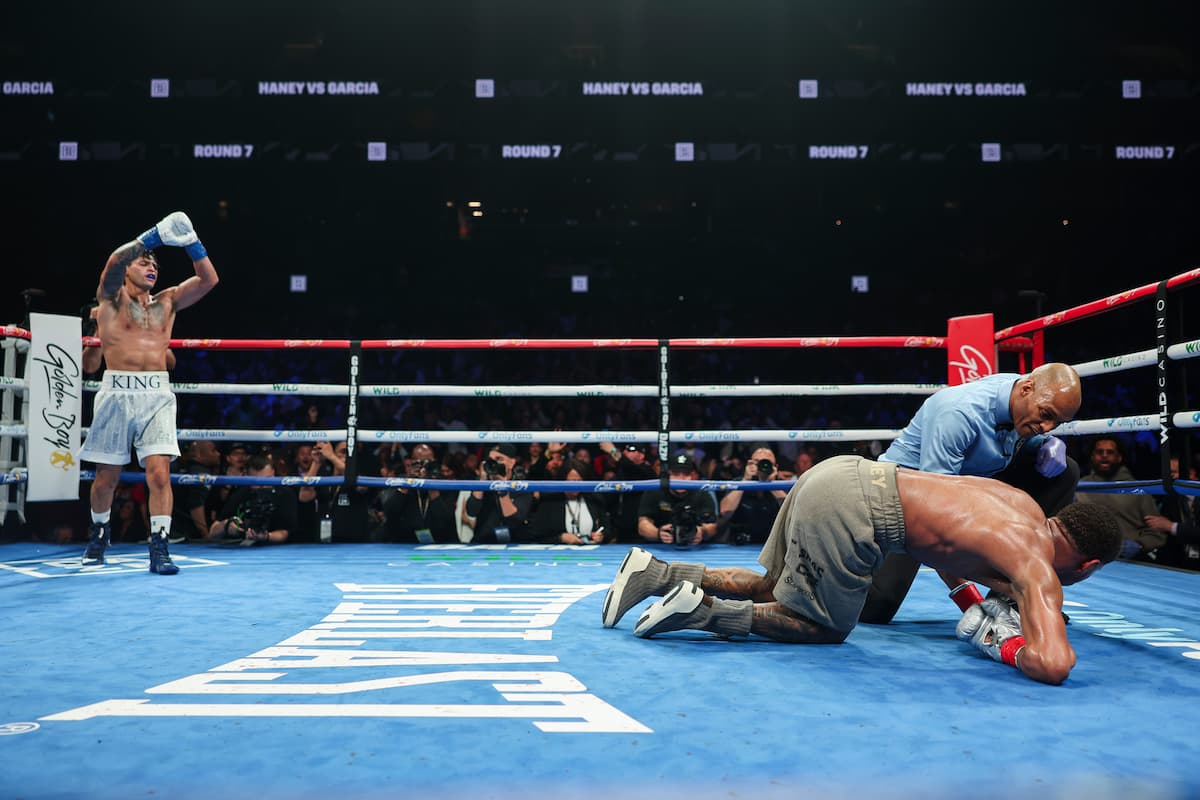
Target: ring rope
{"x":1096,"y":306}
{"x":1088,"y":427}
{"x":184,"y":479}
{"x":1005,"y":339}
{"x":552,"y":390}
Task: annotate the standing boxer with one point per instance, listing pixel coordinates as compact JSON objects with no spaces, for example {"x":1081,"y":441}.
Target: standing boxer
{"x":135,"y":406}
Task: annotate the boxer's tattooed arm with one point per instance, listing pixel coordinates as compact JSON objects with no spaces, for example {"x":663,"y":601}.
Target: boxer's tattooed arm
{"x":776,"y":622}
{"x":114,"y":270}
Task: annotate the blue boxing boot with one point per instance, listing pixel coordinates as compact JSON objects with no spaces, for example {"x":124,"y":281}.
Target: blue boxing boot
{"x":160,"y":559}
{"x":99,"y":535}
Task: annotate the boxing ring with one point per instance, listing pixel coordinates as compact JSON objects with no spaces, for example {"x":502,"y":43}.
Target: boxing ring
{"x":463,"y":670}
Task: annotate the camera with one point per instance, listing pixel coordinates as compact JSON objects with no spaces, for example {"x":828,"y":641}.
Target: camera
{"x":685,"y":521}
{"x":765,"y":468}
{"x":419,"y":468}
{"x":494,"y":471}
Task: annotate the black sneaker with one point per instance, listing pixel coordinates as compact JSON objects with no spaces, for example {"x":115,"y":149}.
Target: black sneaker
{"x":99,"y":535}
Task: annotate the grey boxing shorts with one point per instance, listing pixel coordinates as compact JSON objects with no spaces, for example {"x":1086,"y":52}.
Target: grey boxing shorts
{"x":132,"y":409}
{"x":838,"y":522}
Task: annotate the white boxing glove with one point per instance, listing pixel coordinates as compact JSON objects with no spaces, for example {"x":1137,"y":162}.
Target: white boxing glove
{"x":994,"y":629}
{"x":175,"y":230}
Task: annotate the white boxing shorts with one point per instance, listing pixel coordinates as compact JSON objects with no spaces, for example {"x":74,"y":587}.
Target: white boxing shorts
{"x":132,"y":409}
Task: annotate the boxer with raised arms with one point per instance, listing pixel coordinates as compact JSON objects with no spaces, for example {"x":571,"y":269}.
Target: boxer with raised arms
{"x":135,"y":407}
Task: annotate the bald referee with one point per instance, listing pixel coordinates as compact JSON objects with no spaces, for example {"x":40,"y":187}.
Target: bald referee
{"x":997,"y":427}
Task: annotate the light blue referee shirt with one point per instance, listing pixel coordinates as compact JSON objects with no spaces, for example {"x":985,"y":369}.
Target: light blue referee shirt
{"x":962,"y":430}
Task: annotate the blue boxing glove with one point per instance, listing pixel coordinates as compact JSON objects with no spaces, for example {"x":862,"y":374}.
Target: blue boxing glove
{"x":993,"y":628}
{"x":1052,"y":457}
{"x":174,"y":230}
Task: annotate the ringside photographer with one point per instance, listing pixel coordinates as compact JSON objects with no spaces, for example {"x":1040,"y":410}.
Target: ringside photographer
{"x":747,"y":516}
{"x":499,"y":516}
{"x":681,"y":517}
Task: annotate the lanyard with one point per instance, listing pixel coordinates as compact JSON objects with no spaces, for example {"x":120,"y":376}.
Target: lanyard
{"x":576,"y":514}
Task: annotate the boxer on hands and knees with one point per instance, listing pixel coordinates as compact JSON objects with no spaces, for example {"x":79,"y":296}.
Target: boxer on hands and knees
{"x":998,"y":427}
{"x":839,"y":522}
{"x":135,"y":406}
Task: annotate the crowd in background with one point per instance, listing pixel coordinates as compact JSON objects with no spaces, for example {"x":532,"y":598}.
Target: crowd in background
{"x":298,"y":511}
{"x":211,"y":514}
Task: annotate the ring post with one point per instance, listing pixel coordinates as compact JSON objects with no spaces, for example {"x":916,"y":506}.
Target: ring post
{"x":349,"y":513}
{"x":664,"y":417}
{"x":970,"y":348}
{"x":1164,"y":416}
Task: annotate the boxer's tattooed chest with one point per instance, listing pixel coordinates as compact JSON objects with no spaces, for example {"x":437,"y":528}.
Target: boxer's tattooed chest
{"x":153,"y":315}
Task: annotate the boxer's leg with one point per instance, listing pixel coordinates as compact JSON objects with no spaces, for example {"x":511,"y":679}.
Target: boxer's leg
{"x":158,"y":479}
{"x":687,"y":607}
{"x":101,"y":497}
{"x":889,"y":587}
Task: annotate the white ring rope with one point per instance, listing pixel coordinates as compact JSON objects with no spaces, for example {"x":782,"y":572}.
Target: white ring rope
{"x":551,"y":390}
{"x":1183,"y":350}
{"x":851,"y":435}
{"x":1082,"y":427}
{"x":1186,"y":419}
{"x":1104,"y":366}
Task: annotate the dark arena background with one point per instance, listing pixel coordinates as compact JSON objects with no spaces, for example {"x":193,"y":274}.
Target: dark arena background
{"x":703,"y":226}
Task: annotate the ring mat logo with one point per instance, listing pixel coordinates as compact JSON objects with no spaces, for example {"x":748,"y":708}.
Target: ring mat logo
{"x":69,"y":566}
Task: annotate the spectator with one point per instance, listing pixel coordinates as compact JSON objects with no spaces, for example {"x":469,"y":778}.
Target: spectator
{"x":257,"y":514}
{"x":499,"y":516}
{"x":310,"y":499}
{"x":747,"y":516}
{"x":1131,"y":510}
{"x":312,"y":418}
{"x":1179,"y":521}
{"x":632,"y":464}
{"x":694,"y":512}
{"x":235,"y":466}
{"x":235,"y":459}
{"x":571,"y":517}
{"x":806,"y":459}
{"x":128,"y":525}
{"x":548,"y":462}
{"x":448,"y":420}
{"x":419,"y":515}
{"x":453,"y":469}
{"x":189,"y":518}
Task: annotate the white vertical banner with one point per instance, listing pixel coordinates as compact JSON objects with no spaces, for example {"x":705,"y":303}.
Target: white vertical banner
{"x":55,"y":391}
